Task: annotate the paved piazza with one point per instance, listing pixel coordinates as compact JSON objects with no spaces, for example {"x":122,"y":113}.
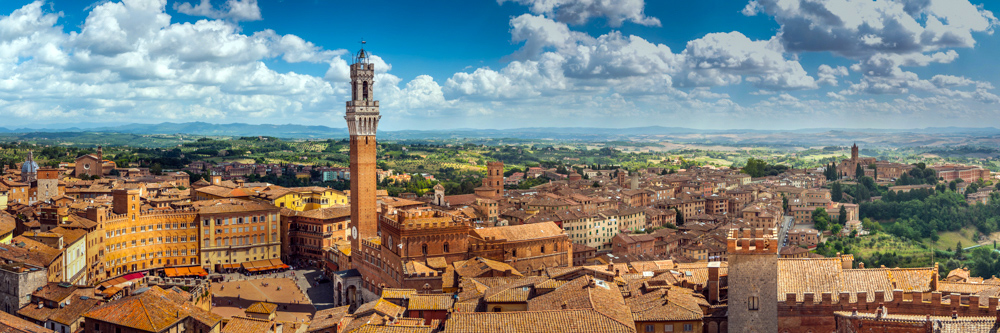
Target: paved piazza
{"x":298,"y":298}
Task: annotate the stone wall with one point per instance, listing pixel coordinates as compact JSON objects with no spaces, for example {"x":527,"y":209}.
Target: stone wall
{"x":753,"y":275}
{"x":16,"y":288}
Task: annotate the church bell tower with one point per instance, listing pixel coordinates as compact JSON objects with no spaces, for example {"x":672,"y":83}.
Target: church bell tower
{"x":362,"y":121}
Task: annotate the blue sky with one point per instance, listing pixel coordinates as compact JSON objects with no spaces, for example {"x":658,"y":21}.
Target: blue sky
{"x":763,"y":64}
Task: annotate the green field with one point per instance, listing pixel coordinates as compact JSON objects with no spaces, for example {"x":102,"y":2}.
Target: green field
{"x":951,"y":238}
{"x":883,"y":243}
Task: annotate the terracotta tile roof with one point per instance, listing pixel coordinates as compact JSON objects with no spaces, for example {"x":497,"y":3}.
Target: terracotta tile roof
{"x":550,"y":284}
{"x":491,"y":281}
{"x":557,"y":321}
{"x":517,"y":291}
{"x":586,"y":293}
{"x":652,"y":266}
{"x":80,"y":222}
{"x":262,"y":308}
{"x":394,"y":329}
{"x":54,"y":292}
{"x":39,"y":314}
{"x":397,"y":293}
{"x":73,"y":311}
{"x":416,"y":267}
{"x":669,"y":304}
{"x":521,"y":232}
{"x":224,"y":192}
{"x":232,"y":206}
{"x":7,"y":223}
{"x":437,"y":262}
{"x":328,"y":213}
{"x":239,"y":324}
{"x":430,"y":302}
{"x":478,"y":266}
{"x":149,"y":311}
{"x":32,"y":252}
{"x":465,"y":307}
{"x":827,"y":275}
{"x":12,"y":324}
{"x":963,"y":288}
{"x":328,"y":318}
{"x":353,"y":323}
{"x":940,"y":324}
{"x":70,"y":236}
{"x":697,"y":272}
{"x":381,"y":307}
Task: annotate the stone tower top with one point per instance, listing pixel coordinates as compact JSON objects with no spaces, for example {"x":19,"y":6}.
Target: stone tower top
{"x":854,"y":152}
{"x":362,"y":110}
{"x":752,"y":241}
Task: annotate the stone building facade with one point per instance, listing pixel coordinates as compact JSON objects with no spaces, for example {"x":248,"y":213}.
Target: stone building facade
{"x":753,"y":299}
{"x":17,"y":282}
{"x":529,"y":248}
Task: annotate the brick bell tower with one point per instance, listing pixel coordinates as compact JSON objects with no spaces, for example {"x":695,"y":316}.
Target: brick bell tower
{"x":362,"y":120}
{"x":753,"y":280}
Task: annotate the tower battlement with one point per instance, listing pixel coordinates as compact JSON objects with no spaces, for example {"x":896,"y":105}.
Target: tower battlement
{"x":752,"y":241}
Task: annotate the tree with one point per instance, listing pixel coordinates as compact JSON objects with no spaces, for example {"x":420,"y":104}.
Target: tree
{"x":821,"y":218}
{"x":953,"y":186}
{"x":755,"y":167}
{"x":836,"y":192}
{"x":831,"y":171}
{"x":958,"y":250}
{"x":842,"y":218}
{"x":156,"y":169}
{"x":859,"y":171}
{"x":680,"y":216}
{"x":784,"y":202}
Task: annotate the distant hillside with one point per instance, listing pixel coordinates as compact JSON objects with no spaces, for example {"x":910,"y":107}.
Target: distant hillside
{"x":933,"y":136}
{"x":203,"y":128}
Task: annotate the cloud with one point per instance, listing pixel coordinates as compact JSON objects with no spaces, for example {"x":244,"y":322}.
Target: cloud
{"x":828,"y":75}
{"x":579,"y":12}
{"x":724,"y":58}
{"x":128,"y":59}
{"x":857,"y":28}
{"x":752,"y":8}
{"x":234,"y":10}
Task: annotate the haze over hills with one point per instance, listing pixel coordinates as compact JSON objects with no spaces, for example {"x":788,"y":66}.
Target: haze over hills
{"x":932,"y":136}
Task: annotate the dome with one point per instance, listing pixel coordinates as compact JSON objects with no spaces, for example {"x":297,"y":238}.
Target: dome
{"x":29,"y":167}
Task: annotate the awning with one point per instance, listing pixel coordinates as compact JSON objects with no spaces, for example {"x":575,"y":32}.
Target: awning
{"x":110,"y":291}
{"x":185,"y":271}
{"x":133,"y":276}
{"x":230,"y":266}
{"x":199,"y":271}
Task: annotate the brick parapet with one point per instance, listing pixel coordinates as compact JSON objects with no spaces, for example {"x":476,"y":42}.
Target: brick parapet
{"x":902,"y":302}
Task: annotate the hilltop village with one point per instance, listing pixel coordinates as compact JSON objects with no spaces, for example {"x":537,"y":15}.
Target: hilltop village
{"x":96,"y":247}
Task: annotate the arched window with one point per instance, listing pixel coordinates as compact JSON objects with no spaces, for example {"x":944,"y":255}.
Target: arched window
{"x":423,"y":249}
{"x":354,"y":91}
{"x":446,"y":248}
{"x":543,"y":249}
{"x":496,"y":309}
{"x":364,"y":93}
{"x":753,"y":304}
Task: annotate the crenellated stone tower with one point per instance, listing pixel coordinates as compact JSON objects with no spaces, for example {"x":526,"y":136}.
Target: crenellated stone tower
{"x":753,"y":279}
{"x":362,"y":121}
